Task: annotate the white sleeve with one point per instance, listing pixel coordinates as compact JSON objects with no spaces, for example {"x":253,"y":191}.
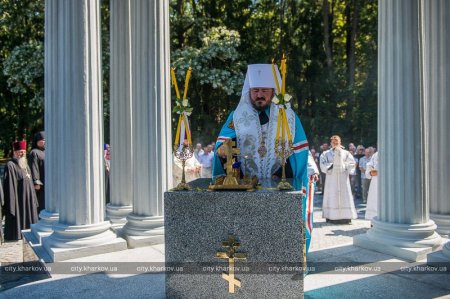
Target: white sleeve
{"x":369,"y":168}
{"x":312,"y":167}
{"x":350,"y":163}
{"x":324,"y":164}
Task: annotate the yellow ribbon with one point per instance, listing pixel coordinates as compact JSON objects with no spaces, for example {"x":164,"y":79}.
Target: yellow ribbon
{"x":188,"y":131}
{"x":186,"y":82}
{"x":275,"y":76}
{"x":174,"y":83}
{"x":277,"y":137}
{"x":177,"y":135}
{"x":282,"y":126}
{"x":282,"y":122}
{"x":283,"y":75}
{"x":182,"y":119}
{"x":286,"y":126}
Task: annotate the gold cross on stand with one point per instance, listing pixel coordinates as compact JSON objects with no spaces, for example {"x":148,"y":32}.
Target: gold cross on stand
{"x":231,"y":256}
{"x":230,"y":179}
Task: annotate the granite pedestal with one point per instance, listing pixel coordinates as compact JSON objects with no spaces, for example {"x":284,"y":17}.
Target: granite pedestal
{"x":268,"y":226}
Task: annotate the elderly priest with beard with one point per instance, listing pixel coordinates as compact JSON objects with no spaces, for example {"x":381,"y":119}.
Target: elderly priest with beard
{"x":20,"y":198}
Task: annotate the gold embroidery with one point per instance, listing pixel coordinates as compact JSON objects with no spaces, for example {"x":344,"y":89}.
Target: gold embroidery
{"x":231,"y":125}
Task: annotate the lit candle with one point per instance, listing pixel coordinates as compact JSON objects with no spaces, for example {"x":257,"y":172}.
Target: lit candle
{"x":275,"y":76}
{"x":186,"y":83}
{"x":174,"y":83}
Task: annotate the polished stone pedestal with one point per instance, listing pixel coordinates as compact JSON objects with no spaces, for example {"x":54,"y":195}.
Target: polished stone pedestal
{"x":268,"y":226}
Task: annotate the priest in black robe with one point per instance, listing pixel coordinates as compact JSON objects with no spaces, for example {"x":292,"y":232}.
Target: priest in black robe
{"x":20,"y":198}
{"x":36,"y":162}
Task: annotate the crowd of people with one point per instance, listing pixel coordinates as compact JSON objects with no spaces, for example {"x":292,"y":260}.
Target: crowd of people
{"x":22,"y":191}
{"x":198,"y":166}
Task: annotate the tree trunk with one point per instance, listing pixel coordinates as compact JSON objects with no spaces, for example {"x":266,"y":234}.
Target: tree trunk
{"x":180,"y":32}
{"x":352,"y":18}
{"x":327,"y":26}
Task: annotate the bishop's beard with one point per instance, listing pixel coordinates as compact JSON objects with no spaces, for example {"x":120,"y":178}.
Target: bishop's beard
{"x":23,"y":163}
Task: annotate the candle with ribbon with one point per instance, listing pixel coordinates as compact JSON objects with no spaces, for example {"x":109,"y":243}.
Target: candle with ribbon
{"x":183,"y":148}
{"x":283,"y":137}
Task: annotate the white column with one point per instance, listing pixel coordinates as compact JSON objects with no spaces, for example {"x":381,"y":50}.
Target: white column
{"x":120,"y":118}
{"x":76,"y":135}
{"x":151,"y":137}
{"x":437,"y":75}
{"x":403,"y":227}
{"x":50,"y":214}
{"x":436,"y":19}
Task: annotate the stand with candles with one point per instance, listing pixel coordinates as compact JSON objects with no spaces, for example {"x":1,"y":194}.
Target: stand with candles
{"x":283,"y":138}
{"x":183,"y":147}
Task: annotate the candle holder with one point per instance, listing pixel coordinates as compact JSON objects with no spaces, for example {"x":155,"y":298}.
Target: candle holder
{"x":183,"y":149}
{"x":283,"y":151}
{"x":183,"y":153}
{"x":283,"y":139}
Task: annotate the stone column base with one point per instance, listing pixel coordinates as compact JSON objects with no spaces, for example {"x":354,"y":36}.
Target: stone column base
{"x":441,"y":257}
{"x":117,"y":215}
{"x":446,"y":250}
{"x":43,"y":228}
{"x":410,"y":254}
{"x":407,"y":241}
{"x":144,"y":230}
{"x":443,"y":223}
{"x":74,"y":241}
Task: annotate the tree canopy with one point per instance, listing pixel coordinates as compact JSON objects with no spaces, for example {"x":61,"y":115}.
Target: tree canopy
{"x":331,"y":47}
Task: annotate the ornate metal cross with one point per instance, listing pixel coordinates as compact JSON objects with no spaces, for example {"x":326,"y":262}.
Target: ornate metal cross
{"x":229,"y":179}
{"x":231,"y":256}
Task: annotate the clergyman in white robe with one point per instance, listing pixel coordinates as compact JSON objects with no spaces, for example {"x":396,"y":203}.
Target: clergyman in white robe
{"x":372,"y":198}
{"x":338,"y":203}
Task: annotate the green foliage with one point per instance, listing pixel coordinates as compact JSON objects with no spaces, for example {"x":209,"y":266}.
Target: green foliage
{"x":182,"y":106}
{"x":329,"y":98}
{"x":21,"y":70}
{"x":216,"y":80}
{"x":104,"y":27}
{"x":332,"y":70}
{"x":24,"y":68}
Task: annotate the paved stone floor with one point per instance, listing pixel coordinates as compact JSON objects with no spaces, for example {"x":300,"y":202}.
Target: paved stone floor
{"x":11,"y":252}
{"x":330,"y":244}
{"x":326,"y":235}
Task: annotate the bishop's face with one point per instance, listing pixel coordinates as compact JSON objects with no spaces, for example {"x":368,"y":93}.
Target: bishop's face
{"x":261,"y":97}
